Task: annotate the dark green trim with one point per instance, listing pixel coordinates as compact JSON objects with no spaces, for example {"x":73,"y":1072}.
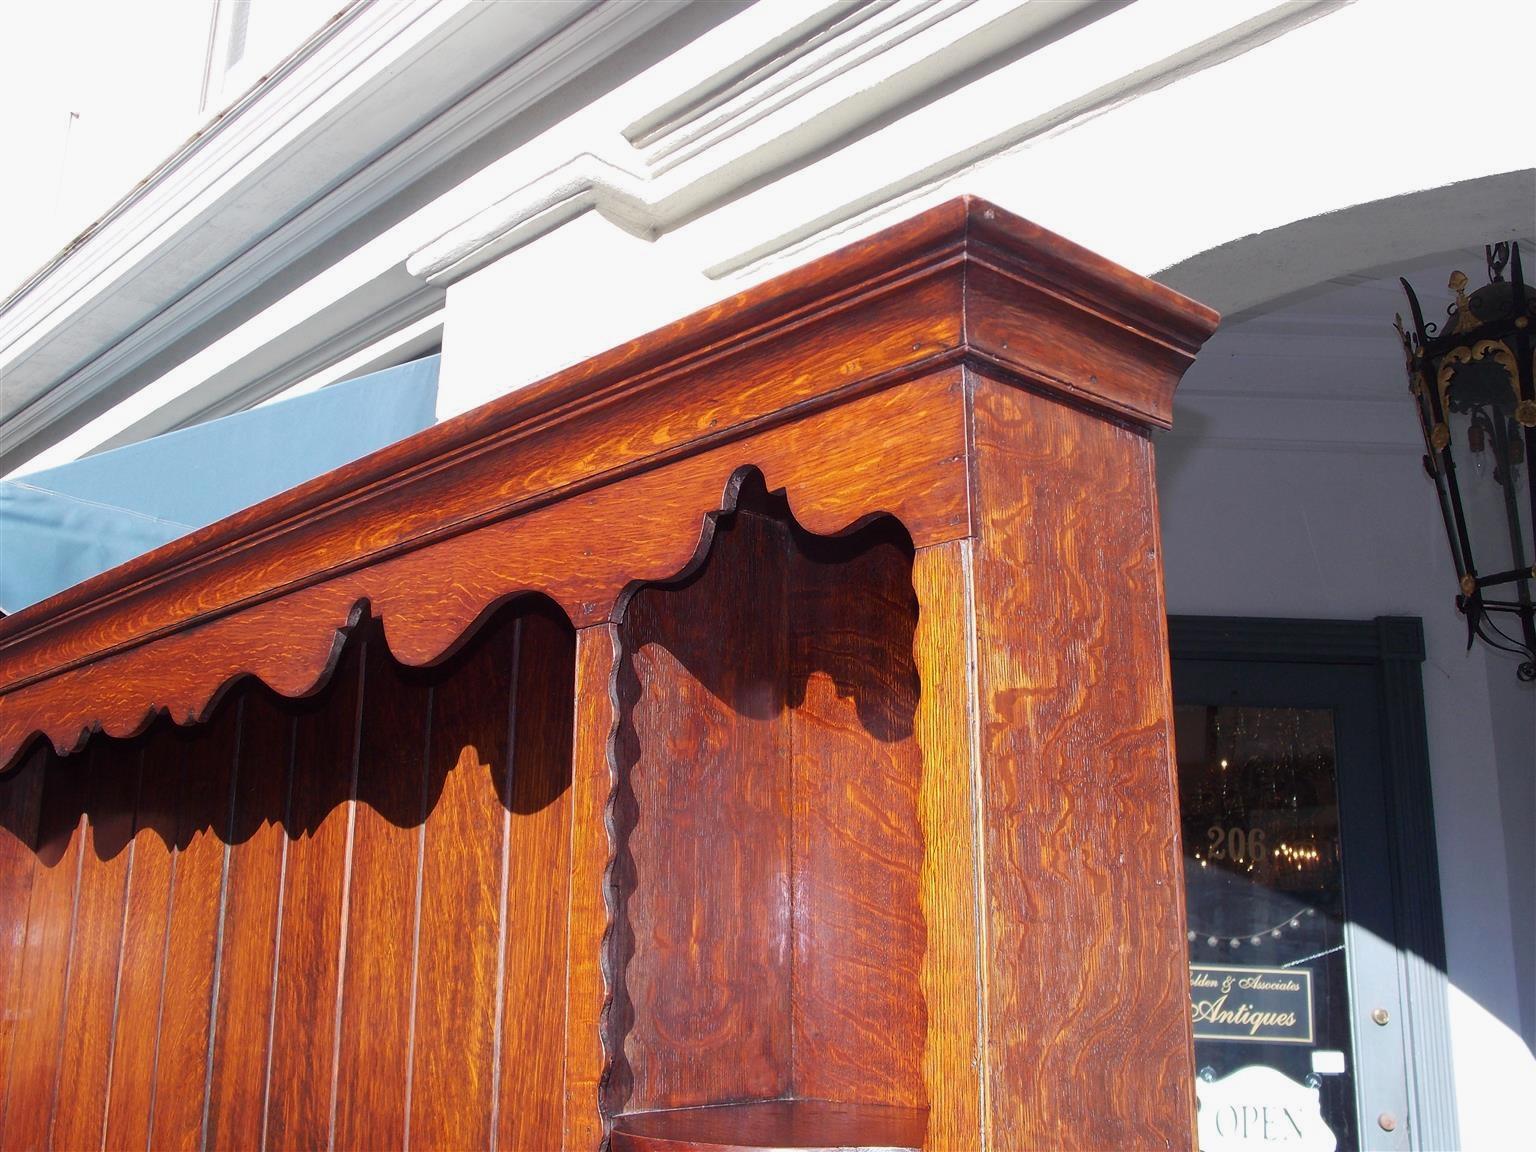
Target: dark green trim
{"x":1295,"y":641}
{"x":1416,"y":878}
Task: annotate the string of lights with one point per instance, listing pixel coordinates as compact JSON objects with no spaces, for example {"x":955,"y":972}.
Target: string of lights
{"x":1274,"y":932}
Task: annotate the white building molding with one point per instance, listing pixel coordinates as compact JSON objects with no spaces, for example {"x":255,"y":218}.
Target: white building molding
{"x":829,"y":25}
{"x":845,"y":68}
{"x":584,"y":182}
{"x":1128,"y":54}
{"x":870,"y":59}
{"x":821,"y":78}
{"x":309,"y":151}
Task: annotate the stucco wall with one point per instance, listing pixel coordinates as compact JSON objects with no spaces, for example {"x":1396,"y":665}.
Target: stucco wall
{"x":1281,"y":500}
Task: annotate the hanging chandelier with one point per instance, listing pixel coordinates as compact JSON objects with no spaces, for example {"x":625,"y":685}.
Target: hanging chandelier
{"x":1472,"y":380}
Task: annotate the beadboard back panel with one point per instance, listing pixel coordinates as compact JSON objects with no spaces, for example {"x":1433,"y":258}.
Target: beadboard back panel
{"x":304,"y":923}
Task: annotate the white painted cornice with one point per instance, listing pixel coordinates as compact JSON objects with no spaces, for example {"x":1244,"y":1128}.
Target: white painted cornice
{"x":382,"y":96}
{"x":582,"y":183}
{"x":1127,"y":53}
{"x":802,"y":86}
{"x":831,"y":76}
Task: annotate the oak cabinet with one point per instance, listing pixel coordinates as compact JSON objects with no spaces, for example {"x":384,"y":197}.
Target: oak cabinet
{"x":758,"y":735}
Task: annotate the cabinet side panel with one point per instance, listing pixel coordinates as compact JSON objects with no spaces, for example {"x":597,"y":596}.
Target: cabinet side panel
{"x":1087,"y":1007}
{"x":702,"y":820}
{"x":858,"y":846}
{"x":538,"y":890}
{"x":953,"y":1056}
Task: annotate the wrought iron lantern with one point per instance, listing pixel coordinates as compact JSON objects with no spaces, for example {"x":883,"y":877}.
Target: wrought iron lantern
{"x":1472,"y":380}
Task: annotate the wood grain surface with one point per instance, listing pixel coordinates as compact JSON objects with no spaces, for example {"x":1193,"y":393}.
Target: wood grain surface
{"x":802,"y":1125}
{"x":859,"y":934}
{"x":538,"y":821}
{"x":1088,"y":1041}
{"x":374,"y":1047}
{"x":237,"y":1084}
{"x":21,"y":793}
{"x":40,"y":1002}
{"x":203,"y":796}
{"x":767,"y":935}
{"x":141,"y":971}
{"x":589,"y":978}
{"x":111,"y":782}
{"x":703,"y":937}
{"x":454,"y":1072}
{"x":954,"y":1064}
{"x":322,"y":781}
{"x":181,"y":978}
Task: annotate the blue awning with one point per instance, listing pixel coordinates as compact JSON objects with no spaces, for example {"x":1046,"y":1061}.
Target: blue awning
{"x":62,"y":525}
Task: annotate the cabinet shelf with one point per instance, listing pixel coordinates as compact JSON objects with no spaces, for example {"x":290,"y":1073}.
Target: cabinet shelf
{"x":798,"y":1125}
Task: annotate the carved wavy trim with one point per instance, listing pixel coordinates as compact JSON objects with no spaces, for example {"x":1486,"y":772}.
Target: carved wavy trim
{"x":891,"y":308}
{"x":842,"y":381}
{"x":607,"y":1027}
{"x":586,"y":553}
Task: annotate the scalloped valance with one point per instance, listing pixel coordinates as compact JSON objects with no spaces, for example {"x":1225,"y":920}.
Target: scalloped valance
{"x":596,"y":477}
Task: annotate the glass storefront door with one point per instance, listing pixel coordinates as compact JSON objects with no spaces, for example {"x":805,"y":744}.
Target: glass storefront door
{"x":1264,"y":891}
{"x":1294,"y":975}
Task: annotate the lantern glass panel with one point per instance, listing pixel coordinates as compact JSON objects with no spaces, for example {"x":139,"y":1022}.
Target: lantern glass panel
{"x":1489,"y":447}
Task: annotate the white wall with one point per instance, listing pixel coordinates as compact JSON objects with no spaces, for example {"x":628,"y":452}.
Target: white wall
{"x":1292,"y":486}
{"x":130,"y":73}
{"x":1149,"y":131}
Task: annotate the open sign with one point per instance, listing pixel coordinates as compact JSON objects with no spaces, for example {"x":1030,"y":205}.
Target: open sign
{"x":1259,"y":1107}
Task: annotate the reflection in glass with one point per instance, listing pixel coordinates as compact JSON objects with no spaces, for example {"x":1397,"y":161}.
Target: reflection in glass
{"x":1265,"y":900}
